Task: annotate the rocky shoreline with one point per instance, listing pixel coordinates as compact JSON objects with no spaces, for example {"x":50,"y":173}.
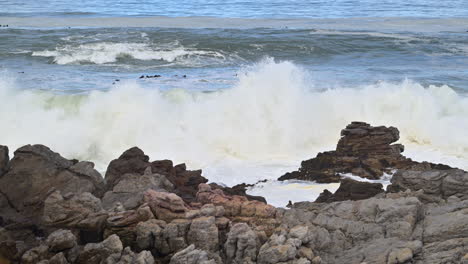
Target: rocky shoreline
{"x":56,"y":211}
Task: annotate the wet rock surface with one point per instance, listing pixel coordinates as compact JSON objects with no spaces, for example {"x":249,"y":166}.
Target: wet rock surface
{"x":363,"y":150}
{"x":155,"y":212}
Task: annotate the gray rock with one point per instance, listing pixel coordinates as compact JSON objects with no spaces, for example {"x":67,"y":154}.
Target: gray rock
{"x":34,"y":255}
{"x":80,"y":211}
{"x":241,"y":244}
{"x":439,"y":183}
{"x":59,"y":258}
{"x":191,"y":255}
{"x":129,"y":189}
{"x":96,"y":253}
{"x":61,"y":240}
{"x":203,"y":233}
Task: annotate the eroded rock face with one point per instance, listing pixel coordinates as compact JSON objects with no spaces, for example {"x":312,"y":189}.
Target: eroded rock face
{"x":40,"y":171}
{"x":423,"y":220}
{"x":135,"y":162}
{"x":96,"y":253}
{"x":435,"y":183}
{"x":132,"y":160}
{"x":191,"y":255}
{"x":351,"y":190}
{"x":241,"y":244}
{"x":129,"y":189}
{"x":81,"y":211}
{"x":363,"y":150}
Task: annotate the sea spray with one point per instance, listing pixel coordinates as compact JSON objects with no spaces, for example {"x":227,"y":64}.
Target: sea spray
{"x":271,"y":119}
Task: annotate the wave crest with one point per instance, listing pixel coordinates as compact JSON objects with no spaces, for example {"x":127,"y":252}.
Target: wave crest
{"x":107,"y":52}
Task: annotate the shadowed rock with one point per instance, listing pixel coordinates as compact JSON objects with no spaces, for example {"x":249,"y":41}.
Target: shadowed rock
{"x":4,"y":159}
{"x":351,"y":190}
{"x":35,"y":171}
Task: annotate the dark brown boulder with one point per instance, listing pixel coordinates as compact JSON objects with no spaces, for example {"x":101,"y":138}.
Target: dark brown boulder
{"x":132,"y":160}
{"x":35,"y":171}
{"x":363,"y":150}
{"x":351,"y":190}
{"x":239,"y":189}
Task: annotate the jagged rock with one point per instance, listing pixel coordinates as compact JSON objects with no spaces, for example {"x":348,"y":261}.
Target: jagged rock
{"x":61,"y":240}
{"x":351,"y":190}
{"x":234,"y":205}
{"x":203,"y":233}
{"x":363,"y":150}
{"x":270,"y":254}
{"x":34,"y":255}
{"x":439,"y":183}
{"x":124,"y":224}
{"x":175,"y":234}
{"x":129,"y":189}
{"x":58,"y":258}
{"x":40,"y":171}
{"x":165,"y":206}
{"x":186,"y":181}
{"x":149,"y":233}
{"x":241,"y":244}
{"x":4,"y":159}
{"x":132,"y":160}
{"x":96,"y":253}
{"x":130,"y":257}
{"x":76,"y":211}
{"x":239,"y":189}
{"x":191,"y":255}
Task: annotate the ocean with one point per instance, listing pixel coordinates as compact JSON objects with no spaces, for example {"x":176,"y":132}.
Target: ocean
{"x":243,"y":90}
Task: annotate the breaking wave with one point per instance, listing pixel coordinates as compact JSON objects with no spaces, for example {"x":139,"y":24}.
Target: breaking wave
{"x":107,"y":52}
{"x":275,"y":114}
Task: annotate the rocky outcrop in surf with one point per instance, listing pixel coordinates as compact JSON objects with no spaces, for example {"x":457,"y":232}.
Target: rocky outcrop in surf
{"x":55,"y":210}
{"x":363,"y":150}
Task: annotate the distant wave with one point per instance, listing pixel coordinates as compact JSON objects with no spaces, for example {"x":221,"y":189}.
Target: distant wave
{"x":106,"y":52}
{"x":379,"y":24}
{"x":272,"y":115}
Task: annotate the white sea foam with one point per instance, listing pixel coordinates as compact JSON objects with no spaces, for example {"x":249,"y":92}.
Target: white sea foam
{"x":107,"y":52}
{"x":280,"y":193}
{"x":274,"y":117}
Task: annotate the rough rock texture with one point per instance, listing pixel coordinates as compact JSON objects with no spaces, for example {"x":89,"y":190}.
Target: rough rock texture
{"x":241,"y":244}
{"x":146,"y":218}
{"x":4,"y":159}
{"x":191,"y":255}
{"x":240,"y":190}
{"x":40,"y":171}
{"x":61,"y":240}
{"x":128,"y":190}
{"x":362,"y":150}
{"x":81,"y":211}
{"x":434,"y":183}
{"x":351,"y":190}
